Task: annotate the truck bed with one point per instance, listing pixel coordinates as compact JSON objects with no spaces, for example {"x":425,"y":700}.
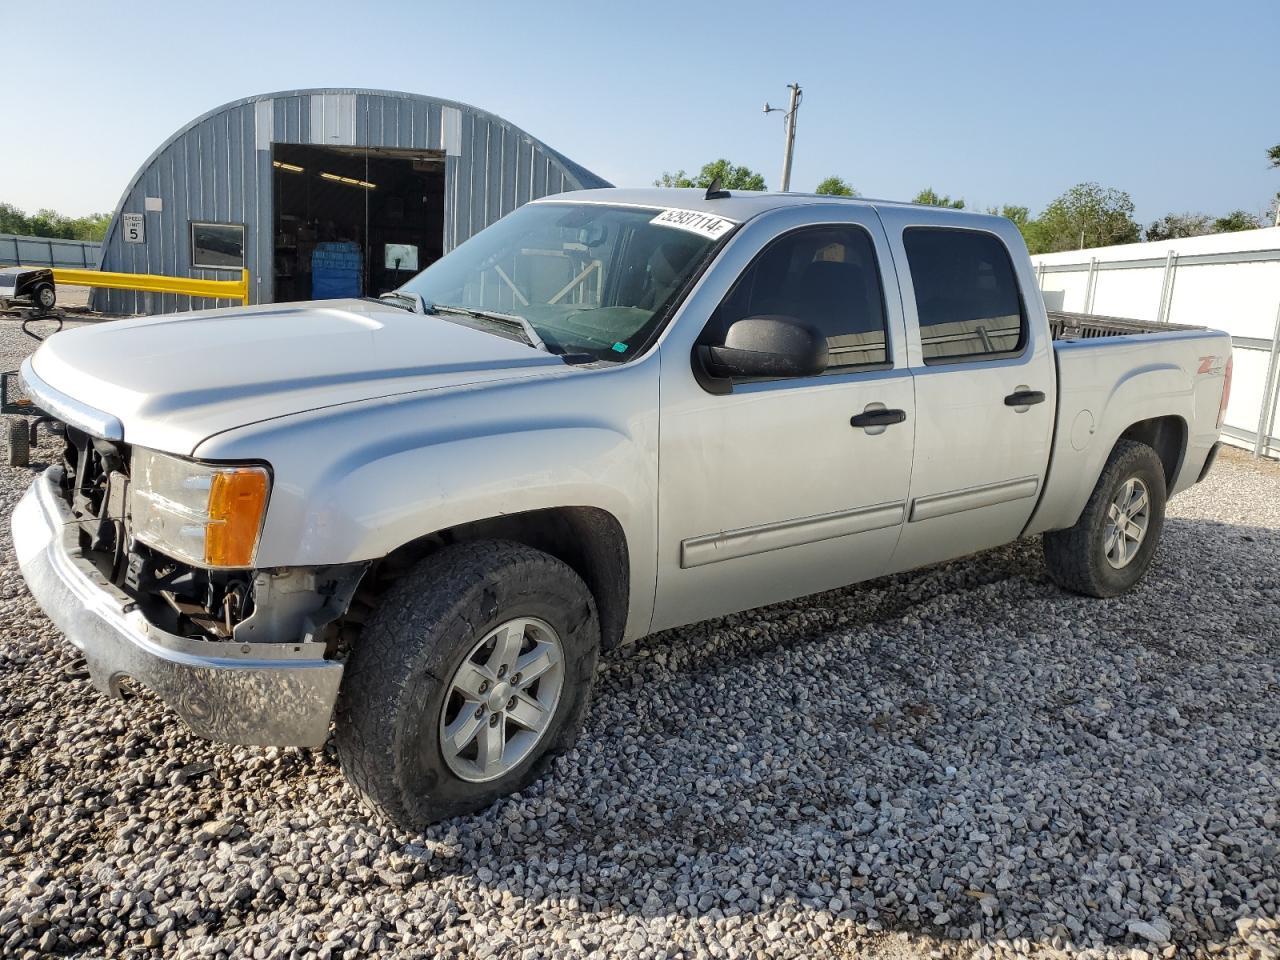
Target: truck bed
{"x":1087,"y":326}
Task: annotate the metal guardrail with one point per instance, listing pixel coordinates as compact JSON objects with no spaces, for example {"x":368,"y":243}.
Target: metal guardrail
{"x":152,"y":283}
{"x":22,"y":251}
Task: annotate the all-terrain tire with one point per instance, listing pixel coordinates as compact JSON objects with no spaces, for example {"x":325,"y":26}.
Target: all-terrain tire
{"x":18,"y":453}
{"x":1077,"y":557}
{"x":395,"y":684}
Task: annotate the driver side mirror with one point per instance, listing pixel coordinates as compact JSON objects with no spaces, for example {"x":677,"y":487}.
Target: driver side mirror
{"x":767,"y":346}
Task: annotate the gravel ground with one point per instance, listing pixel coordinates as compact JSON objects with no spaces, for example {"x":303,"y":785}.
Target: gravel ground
{"x":73,"y":296}
{"x":961,"y":761}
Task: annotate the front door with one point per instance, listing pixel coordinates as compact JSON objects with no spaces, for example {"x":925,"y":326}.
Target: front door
{"x":770,"y":492}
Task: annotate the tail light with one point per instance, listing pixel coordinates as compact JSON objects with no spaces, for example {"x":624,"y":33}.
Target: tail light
{"x":1226,"y":391}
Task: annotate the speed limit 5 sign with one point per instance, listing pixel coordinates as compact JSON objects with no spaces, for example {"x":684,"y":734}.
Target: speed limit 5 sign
{"x":135,"y":230}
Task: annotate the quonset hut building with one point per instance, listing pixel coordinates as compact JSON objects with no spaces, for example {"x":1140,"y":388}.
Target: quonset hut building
{"x":333,"y":192}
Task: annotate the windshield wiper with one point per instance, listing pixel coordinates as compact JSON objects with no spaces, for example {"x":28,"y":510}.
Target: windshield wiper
{"x":507,"y":319}
{"x":410,"y":301}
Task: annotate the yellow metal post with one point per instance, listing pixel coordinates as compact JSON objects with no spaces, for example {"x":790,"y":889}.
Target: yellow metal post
{"x":151,"y":283}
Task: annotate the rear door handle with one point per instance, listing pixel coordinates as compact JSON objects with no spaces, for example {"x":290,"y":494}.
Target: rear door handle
{"x":1024,"y":398}
{"x":877,"y":418}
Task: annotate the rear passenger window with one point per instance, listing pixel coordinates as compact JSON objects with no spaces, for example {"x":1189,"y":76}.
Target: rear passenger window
{"x":826,"y":277}
{"x":966,"y":294}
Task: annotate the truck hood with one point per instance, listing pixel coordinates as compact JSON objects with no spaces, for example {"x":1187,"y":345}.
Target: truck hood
{"x":174,"y":381}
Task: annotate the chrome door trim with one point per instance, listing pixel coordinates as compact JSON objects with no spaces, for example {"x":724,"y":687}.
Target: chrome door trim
{"x":958,"y":501}
{"x":732,"y":544}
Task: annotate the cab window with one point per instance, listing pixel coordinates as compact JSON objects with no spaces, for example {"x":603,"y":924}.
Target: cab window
{"x":826,"y":277}
{"x":966,"y":294}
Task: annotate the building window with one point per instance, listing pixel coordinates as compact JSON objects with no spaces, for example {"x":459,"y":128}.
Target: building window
{"x":967,"y":297}
{"x":217,"y":246}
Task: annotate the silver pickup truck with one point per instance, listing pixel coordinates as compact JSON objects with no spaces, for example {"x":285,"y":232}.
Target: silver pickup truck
{"x":420,"y":519}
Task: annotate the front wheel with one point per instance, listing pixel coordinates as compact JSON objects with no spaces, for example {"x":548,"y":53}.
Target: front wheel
{"x":473,"y":673}
{"x":1112,"y":544}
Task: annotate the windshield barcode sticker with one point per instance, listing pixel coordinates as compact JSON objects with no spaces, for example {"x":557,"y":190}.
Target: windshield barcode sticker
{"x":703,"y":224}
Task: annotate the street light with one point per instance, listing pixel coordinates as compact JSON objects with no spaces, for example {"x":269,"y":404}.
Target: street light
{"x":789,"y":125}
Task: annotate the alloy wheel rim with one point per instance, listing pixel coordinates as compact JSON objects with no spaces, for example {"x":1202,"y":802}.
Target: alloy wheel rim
{"x":501,"y":699}
{"x":1128,"y":518}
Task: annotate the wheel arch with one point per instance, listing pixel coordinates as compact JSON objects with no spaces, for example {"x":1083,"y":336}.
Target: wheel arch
{"x":590,"y":540}
{"x":1166,"y":435}
{"x":1073,"y":474}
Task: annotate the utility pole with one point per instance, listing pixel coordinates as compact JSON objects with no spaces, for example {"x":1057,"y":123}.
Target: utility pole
{"x":789,"y":124}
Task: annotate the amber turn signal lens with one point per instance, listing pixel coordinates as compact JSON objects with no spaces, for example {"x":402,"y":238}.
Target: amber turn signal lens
{"x":237,"y":500}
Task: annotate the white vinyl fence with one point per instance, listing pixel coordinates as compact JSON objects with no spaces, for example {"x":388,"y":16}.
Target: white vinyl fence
{"x":1227,"y":281}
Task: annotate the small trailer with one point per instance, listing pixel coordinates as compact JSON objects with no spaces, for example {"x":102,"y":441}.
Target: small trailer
{"x":33,"y":285}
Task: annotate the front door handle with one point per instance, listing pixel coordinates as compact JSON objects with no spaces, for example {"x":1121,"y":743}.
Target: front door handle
{"x":1024,"y":398}
{"x":877,"y":418}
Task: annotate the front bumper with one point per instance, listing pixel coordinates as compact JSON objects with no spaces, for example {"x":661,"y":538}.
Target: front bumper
{"x":252,"y":693}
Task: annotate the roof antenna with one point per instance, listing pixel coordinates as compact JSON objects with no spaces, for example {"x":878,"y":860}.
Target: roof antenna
{"x":714,"y":192}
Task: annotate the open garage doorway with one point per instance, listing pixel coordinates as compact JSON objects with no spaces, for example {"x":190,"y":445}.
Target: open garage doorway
{"x":353,"y":221}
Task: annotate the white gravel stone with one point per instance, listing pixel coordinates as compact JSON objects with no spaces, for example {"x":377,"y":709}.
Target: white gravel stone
{"x":960,"y":761}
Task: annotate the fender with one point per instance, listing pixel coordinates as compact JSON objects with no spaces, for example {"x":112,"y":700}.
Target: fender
{"x":355,"y":482}
{"x":366,"y":509}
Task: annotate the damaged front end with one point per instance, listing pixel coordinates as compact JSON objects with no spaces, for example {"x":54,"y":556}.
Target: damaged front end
{"x":244,"y":655}
{"x":287,"y":605}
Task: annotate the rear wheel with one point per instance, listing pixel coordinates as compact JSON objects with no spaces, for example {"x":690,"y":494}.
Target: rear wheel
{"x":1112,"y":544}
{"x":474,"y":672}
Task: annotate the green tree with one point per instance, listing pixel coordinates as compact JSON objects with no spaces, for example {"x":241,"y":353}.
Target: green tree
{"x":929,"y":198}
{"x":12,"y":220}
{"x":731,"y":177}
{"x":1236,"y":220}
{"x":1087,"y":215}
{"x":1273,"y":155}
{"x":677,"y":179}
{"x":836,"y":187}
{"x":50,"y":223}
{"x":96,"y":226}
{"x":1174,"y":226}
{"x":1021,"y":217}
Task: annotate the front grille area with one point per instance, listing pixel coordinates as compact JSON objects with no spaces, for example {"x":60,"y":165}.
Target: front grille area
{"x":95,"y":485}
{"x":177,"y":597}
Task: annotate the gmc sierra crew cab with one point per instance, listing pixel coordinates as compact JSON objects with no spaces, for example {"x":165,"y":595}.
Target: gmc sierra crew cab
{"x":419,"y":519}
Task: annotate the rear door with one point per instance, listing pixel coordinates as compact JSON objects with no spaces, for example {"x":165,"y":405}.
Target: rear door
{"x":985,"y":383}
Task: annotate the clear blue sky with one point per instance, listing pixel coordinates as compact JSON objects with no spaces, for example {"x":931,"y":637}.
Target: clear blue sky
{"x":1174,"y":102}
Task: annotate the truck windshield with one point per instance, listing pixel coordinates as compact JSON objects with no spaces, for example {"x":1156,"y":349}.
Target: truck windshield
{"x":588,"y":278}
